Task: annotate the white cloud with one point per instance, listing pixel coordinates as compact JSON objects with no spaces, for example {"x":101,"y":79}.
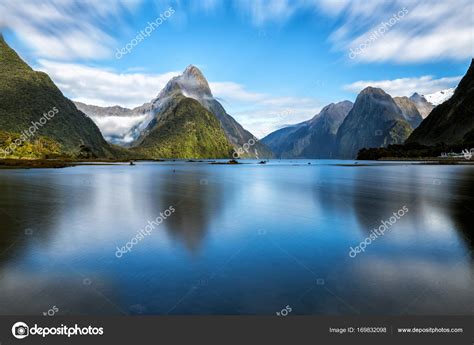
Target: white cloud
{"x":406,"y":86}
{"x":263,"y":11}
{"x":234,"y":92}
{"x":441,"y":29}
{"x":262,"y":113}
{"x":92,"y":85}
{"x":261,"y":120}
{"x":118,"y":128}
{"x":64,"y":29}
{"x":431,"y":30}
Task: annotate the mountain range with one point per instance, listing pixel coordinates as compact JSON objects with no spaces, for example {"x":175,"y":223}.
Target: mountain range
{"x":146,"y":118}
{"x":341,"y":130}
{"x":183,"y":121}
{"x":375,"y":120}
{"x":186,"y":121}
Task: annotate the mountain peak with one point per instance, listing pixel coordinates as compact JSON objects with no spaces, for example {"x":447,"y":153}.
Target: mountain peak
{"x":10,"y":61}
{"x":416,"y":97}
{"x":369,"y":90}
{"x":191,"y":83}
{"x":193,"y":71}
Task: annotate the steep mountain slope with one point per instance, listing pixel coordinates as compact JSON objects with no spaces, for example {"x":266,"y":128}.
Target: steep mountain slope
{"x":26,"y":96}
{"x":451,"y":121}
{"x":375,"y":120}
{"x":185,"y":130}
{"x":409,"y":111}
{"x":194,"y":85}
{"x":423,"y":106}
{"x":278,"y":140}
{"x":314,"y":138}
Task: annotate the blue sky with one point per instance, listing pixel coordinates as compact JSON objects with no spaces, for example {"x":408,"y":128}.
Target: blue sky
{"x":271,"y":63}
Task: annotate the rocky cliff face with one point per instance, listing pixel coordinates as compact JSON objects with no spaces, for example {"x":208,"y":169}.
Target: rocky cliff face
{"x":451,"y":121}
{"x":423,"y":106}
{"x":409,"y":111}
{"x":375,"y":120}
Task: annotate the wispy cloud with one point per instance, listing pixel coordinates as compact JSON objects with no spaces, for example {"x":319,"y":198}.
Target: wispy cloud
{"x":118,"y":128}
{"x":431,"y":30}
{"x":262,"y":113}
{"x":268,"y":11}
{"x":97,"y":86}
{"x":272,"y":114}
{"x":441,"y":29}
{"x":65,"y":29}
{"x":406,"y":86}
{"x":234,"y":92}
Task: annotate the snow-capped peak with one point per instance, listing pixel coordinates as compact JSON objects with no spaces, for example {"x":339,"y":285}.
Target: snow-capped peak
{"x":440,"y":96}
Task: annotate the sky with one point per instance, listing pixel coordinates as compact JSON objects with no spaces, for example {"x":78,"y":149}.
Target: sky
{"x":271,"y":63}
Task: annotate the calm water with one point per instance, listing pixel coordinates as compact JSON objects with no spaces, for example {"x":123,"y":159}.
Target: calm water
{"x":247,"y":239}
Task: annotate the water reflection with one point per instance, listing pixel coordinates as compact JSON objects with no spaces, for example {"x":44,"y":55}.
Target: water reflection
{"x":23,"y":214}
{"x":259,"y":236}
{"x":462,"y":209}
{"x":196,"y":198}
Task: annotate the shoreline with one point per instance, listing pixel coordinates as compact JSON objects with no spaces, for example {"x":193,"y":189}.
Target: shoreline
{"x":67,"y":163}
{"x":56,"y":163}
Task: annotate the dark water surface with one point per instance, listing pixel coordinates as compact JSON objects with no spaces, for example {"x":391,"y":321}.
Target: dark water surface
{"x":246,"y":239}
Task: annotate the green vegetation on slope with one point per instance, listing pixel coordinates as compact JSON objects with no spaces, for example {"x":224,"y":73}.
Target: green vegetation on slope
{"x":26,"y":95}
{"x":12,"y":146}
{"x":185,"y":130}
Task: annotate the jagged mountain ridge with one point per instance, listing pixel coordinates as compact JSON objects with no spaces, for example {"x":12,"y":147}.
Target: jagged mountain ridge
{"x":314,"y":138}
{"x":192,"y":84}
{"x":424,"y":107}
